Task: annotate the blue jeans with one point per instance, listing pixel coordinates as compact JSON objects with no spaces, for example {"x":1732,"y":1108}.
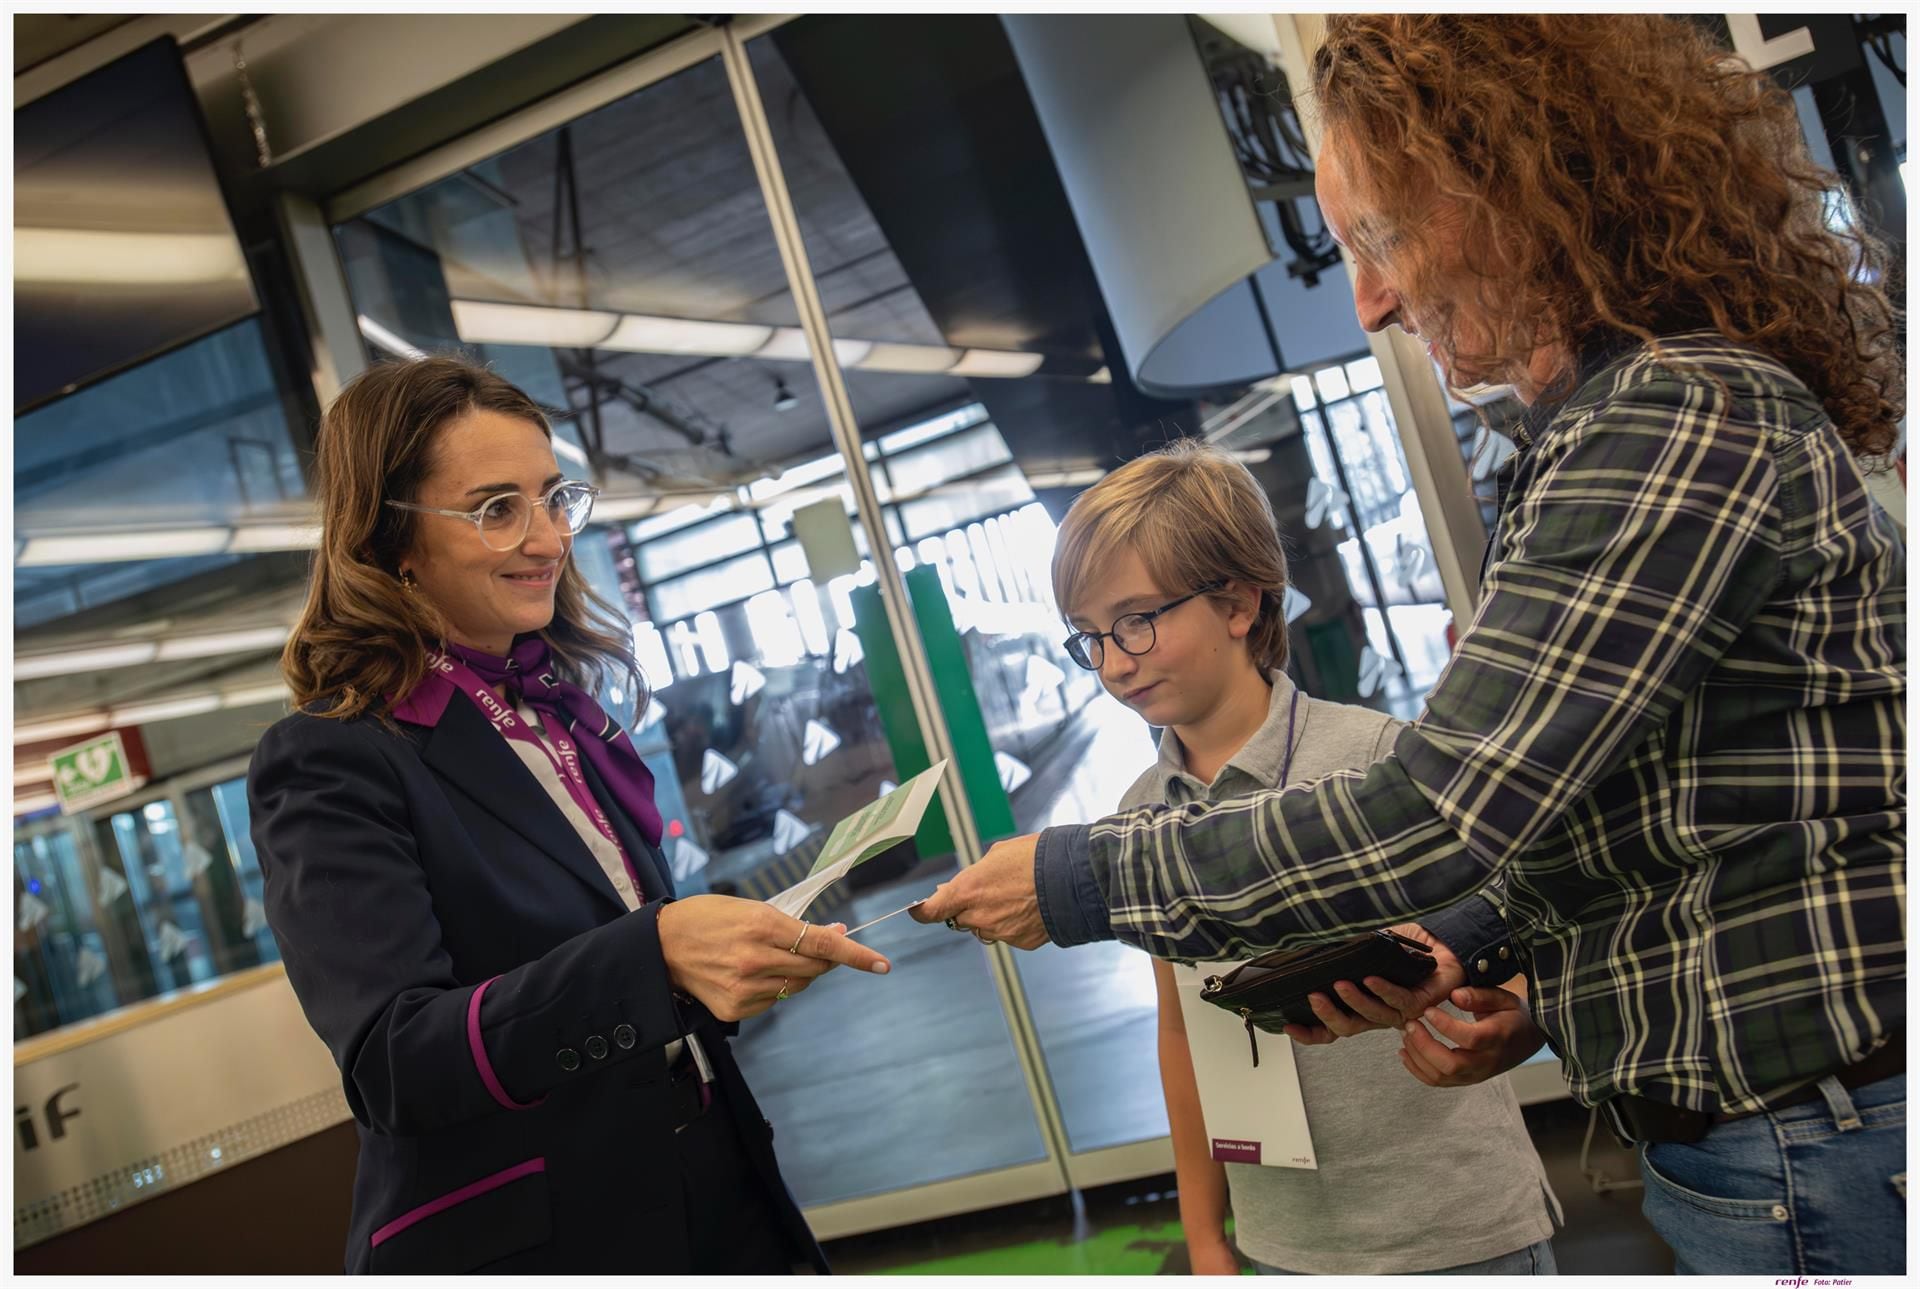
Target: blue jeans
{"x":1816,"y":1189}
{"x":1534,"y":1260}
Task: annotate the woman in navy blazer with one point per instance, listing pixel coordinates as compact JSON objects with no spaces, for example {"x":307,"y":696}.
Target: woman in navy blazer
{"x":463,"y":872}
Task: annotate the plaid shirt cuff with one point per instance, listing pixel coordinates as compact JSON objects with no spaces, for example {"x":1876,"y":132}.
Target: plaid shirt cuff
{"x":1071,"y":905}
{"x":1479,"y":937}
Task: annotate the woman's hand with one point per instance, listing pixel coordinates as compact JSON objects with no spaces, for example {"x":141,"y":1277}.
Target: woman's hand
{"x":737,"y":956}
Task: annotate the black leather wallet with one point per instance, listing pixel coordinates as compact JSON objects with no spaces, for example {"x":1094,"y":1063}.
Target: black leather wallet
{"x":1270,"y":991}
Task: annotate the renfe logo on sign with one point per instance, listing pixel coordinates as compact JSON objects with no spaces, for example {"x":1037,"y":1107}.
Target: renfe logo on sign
{"x":91,"y":772}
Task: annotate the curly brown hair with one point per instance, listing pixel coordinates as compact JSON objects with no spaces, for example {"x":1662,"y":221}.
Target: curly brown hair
{"x":362,"y":641}
{"x":1615,"y":173}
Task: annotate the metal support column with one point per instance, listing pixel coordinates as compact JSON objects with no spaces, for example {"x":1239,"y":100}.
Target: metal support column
{"x":893,"y":594}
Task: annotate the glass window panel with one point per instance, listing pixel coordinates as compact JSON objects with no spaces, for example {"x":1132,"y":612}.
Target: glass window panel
{"x":713,"y":642}
{"x":776,"y":513}
{"x":1065,"y":749}
{"x":1364,"y":374}
{"x":1332,"y":382}
{"x":678,"y":246}
{"x":665,"y":557}
{"x":776,"y":636}
{"x":789,"y":563}
{"x":678,"y":517}
{"x":966,"y":453}
{"x":955,"y":504}
{"x":711,"y":587}
{"x":189,"y":443}
{"x":650,"y":651}
{"x":802,"y":475}
{"x":938,"y":427}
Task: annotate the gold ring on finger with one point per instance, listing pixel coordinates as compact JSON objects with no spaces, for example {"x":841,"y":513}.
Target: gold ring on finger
{"x":804,"y":928}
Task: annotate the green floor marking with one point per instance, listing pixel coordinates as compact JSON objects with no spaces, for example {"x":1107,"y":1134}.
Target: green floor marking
{"x":1116,"y":1251}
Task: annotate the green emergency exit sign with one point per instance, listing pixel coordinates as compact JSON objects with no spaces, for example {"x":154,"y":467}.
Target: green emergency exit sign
{"x":91,"y":772}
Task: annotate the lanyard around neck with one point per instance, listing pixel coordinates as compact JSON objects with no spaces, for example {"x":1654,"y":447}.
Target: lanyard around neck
{"x":563,"y":755}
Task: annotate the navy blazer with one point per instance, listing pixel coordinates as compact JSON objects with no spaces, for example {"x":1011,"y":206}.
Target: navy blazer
{"x":497,"y":1014}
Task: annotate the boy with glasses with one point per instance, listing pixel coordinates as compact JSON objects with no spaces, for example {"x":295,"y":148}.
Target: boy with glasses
{"x":1172,"y":574}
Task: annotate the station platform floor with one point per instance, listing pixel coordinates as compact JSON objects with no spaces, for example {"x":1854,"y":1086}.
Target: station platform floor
{"x":1133,"y":1228}
{"x":877,"y":1084}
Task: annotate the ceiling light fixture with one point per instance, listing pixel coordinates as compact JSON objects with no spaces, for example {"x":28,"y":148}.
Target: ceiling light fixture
{"x":638,"y":333}
{"x":62,"y":662}
{"x":91,"y":256}
{"x":163,"y":709}
{"x":1000,"y":364}
{"x":68,"y":726}
{"x":37,"y":802}
{"x":253,"y":539}
{"x":909,"y":359}
{"x":481,"y":323}
{"x":107,"y":548}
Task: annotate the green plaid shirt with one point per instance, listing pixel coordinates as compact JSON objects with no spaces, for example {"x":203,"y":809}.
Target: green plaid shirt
{"x":1675,"y":734}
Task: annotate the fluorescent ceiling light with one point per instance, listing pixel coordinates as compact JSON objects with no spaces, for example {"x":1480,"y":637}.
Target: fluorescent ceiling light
{"x":37,"y":772}
{"x":62,"y":662}
{"x":272,"y":692}
{"x":253,"y":538}
{"x":40,"y":801}
{"x":106,"y":548}
{"x":787,"y":344}
{"x":85,"y":256}
{"x":852,"y":353}
{"x":481,"y":323}
{"x":1000,"y":363}
{"x":165,"y":709}
{"x":217,"y":643}
{"x":638,"y":333}
{"x":61,"y":727}
{"x":909,"y":358}
{"x":1101,"y":377}
{"x":388,"y":340}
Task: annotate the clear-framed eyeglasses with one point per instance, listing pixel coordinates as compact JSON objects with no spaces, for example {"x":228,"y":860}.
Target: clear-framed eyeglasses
{"x":1133,"y":632}
{"x":503,"y":520}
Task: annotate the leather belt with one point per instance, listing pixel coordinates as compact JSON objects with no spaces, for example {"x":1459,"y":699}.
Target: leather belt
{"x":1642,"y":1119}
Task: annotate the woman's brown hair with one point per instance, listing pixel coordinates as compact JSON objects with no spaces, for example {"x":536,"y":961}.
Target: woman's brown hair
{"x":1196,"y":517}
{"x":1625,"y":175}
{"x":362,"y":641}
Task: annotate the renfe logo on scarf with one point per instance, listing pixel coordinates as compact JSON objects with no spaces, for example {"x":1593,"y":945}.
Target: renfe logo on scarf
{"x":482,"y":693}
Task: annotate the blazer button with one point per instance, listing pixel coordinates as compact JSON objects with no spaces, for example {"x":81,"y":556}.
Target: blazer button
{"x":568,"y":1058}
{"x":623,"y":1036}
{"x":597,"y":1048}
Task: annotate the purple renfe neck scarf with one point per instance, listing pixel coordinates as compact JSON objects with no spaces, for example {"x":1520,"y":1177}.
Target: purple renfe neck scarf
{"x":528,"y":675}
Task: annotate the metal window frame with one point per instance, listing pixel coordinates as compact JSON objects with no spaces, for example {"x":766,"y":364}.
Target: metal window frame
{"x":548,"y":114}
{"x":1419,"y":404}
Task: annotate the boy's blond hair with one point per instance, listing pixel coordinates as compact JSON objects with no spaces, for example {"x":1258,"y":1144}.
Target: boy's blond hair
{"x":1195,"y":516}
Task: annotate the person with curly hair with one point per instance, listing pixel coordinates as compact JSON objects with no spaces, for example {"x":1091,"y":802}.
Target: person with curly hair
{"x":1670,"y":748}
